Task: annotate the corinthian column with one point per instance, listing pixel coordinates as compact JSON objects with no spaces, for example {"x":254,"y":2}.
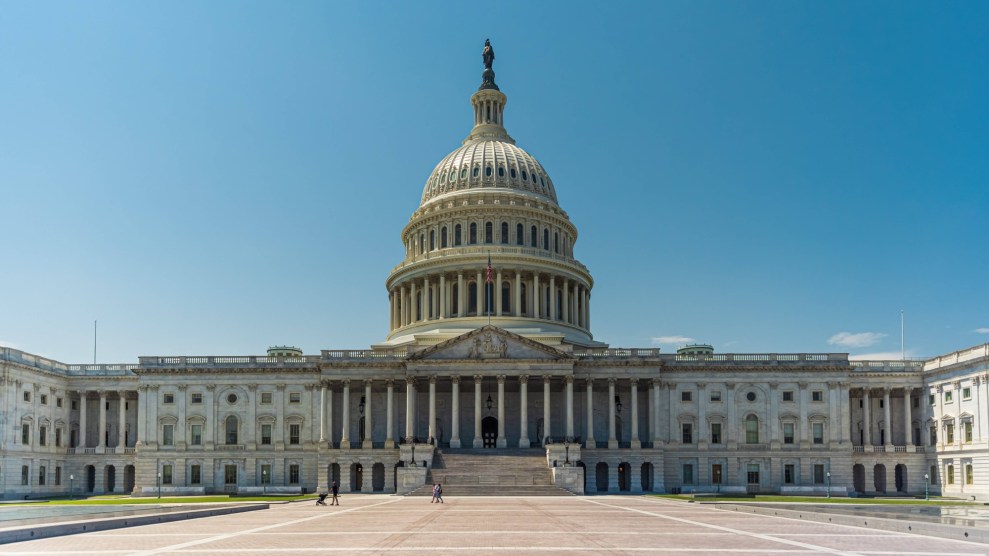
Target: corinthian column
{"x":390,"y":414}
{"x":478,"y":442}
{"x":345,"y":417}
{"x":546,"y":424}
{"x":635,"y":414}
{"x":432,"y":409}
{"x":524,"y":411}
{"x":568,"y":380}
{"x":409,"y":390}
{"x":612,"y":439}
{"x":590,"y":443}
{"x":368,"y":421}
{"x":455,"y":412}
{"x":501,"y":442}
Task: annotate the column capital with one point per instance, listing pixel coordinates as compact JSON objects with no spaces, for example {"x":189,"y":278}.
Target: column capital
{"x":432,"y":379}
{"x":612,"y":380}
{"x":635,"y":382}
{"x":701,"y":385}
{"x":832,"y":384}
{"x":345,"y":382}
{"x":523,"y":379}
{"x":410,"y":380}
{"x":568,"y":379}
{"x":211,"y":387}
{"x":478,"y":379}
{"x":368,"y":382}
{"x":182,"y":387}
{"x":102,"y":393}
{"x":547,"y":379}
{"x":501,"y":379}
{"x":390,"y":383}
{"x":589,"y":382}
{"x":774,"y":385}
{"x":253,"y":386}
{"x":455,"y":379}
{"x":657,"y":383}
{"x":802,"y":385}
{"x":730,"y":385}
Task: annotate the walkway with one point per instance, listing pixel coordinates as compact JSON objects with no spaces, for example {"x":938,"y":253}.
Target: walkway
{"x":497,"y":525}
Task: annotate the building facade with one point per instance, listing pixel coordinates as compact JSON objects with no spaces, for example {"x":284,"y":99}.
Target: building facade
{"x":490,"y":347}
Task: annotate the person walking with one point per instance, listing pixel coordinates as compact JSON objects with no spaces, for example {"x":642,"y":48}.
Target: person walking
{"x":336,"y":490}
{"x":439,"y":493}
{"x":435,"y":493}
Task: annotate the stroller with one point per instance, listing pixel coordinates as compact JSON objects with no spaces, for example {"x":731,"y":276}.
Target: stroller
{"x":321,"y":501}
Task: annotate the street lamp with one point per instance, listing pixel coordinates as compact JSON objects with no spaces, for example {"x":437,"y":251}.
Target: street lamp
{"x":413,"y":451}
{"x":566,"y":445}
{"x":264,"y":482}
{"x":618,"y":404}
{"x":829,"y":484}
{"x":927,"y":487}
{"x":489,"y":402}
{"x":71,"y":478}
{"x":159,"y":484}
{"x":360,"y":406}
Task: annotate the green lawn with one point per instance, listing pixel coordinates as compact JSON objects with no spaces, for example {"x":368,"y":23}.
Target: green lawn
{"x":820,"y":500}
{"x":120,"y":500}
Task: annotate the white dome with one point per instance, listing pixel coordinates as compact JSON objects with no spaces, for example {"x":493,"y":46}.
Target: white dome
{"x":488,"y":164}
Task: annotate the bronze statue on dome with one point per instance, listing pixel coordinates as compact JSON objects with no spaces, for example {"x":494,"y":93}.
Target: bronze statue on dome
{"x":487,"y":54}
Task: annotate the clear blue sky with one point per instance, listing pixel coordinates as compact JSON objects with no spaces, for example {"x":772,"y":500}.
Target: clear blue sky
{"x":217,"y":177}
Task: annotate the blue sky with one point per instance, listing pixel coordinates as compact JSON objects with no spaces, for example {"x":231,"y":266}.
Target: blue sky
{"x":214,"y":178}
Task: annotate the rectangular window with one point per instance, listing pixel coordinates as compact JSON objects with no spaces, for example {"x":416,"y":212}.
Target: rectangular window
{"x":25,"y":475}
{"x":26,"y":434}
{"x":967,"y":393}
{"x":751,"y":430}
{"x":787,"y":395}
{"x":41,"y":475}
{"x":168,"y":397}
{"x":43,"y":435}
{"x":265,"y":434}
{"x":44,"y":399}
{"x":716,"y":474}
{"x":197,"y":398}
{"x":27,"y":396}
{"x":58,"y":475}
{"x":969,"y":474}
{"x":58,"y":437}
{"x":58,"y":403}
{"x":968,"y":431}
{"x":752,"y":474}
{"x":818,"y":473}
{"x":197,"y":435}
{"x":294,"y":397}
{"x":687,"y":433}
{"x":166,"y":474}
{"x":788,"y":474}
{"x":293,"y":474}
{"x":686,"y":396}
{"x":915,"y":402}
{"x":951,"y":474}
{"x":168,"y":435}
{"x":933,"y":474}
{"x":266,"y":474}
{"x":948,"y":396}
{"x":195,"y":474}
{"x":688,"y":474}
{"x":229,"y":474}
{"x":787,"y":433}
{"x":75,"y":405}
{"x":294,"y":432}
{"x":949,"y":433}
{"x":716,"y":395}
{"x":930,"y":399}
{"x":933,"y":434}
{"x":716,"y":433}
{"x":818,"y":433}
{"x":265,"y":397}
{"x":817,"y":396}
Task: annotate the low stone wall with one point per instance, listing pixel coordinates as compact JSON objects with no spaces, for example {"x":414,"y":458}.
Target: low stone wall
{"x":409,"y":478}
{"x":569,"y":478}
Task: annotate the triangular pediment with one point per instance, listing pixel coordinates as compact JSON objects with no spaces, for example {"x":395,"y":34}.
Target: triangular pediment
{"x":490,"y":342}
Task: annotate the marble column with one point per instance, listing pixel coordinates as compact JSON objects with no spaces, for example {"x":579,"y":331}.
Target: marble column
{"x":701,"y":434}
{"x":443,"y":314}
{"x":552,"y":297}
{"x":368,"y":413}
{"x":844,"y":394}
{"x":590,"y":442}
{"x":907,"y":420}
{"x":524,"y":411}
{"x":345,"y":416}
{"x":329,"y":414}
{"x":867,"y":419}
{"x":568,"y":381}
{"x":432,"y":410}
{"x":537,"y":299}
{"x":389,"y":414}
{"x":478,"y":441}
{"x":566,"y":300}
{"x":732,"y":433}
{"x":612,"y":438}
{"x":322,"y":414}
{"x":101,"y":439}
{"x":888,"y":423}
{"x":497,"y":294}
{"x":461,"y":295}
{"x":455,"y":412}
{"x":122,"y":424}
{"x":517,"y":306}
{"x":481,"y":289}
{"x":413,"y":303}
{"x":501,"y":441}
{"x":546,"y":416}
{"x":409,"y":390}
{"x":774,"y":419}
{"x":82,"y":420}
{"x":657,"y":439}
{"x":636,"y":444}
{"x":804,"y":433}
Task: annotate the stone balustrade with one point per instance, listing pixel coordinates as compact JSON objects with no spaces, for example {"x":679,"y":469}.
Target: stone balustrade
{"x":484,"y":250}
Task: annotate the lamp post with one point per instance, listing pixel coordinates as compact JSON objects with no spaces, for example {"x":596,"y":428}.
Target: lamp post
{"x":159,"y":484}
{"x":413,"y":451}
{"x":618,"y":404}
{"x":566,"y":445}
{"x":927,"y":487}
{"x":829,"y":484}
{"x":264,"y":482}
{"x":71,"y":478}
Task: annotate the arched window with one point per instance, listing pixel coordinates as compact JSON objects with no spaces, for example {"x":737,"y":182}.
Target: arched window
{"x":422,"y":243}
{"x":231,"y":430}
{"x":533,"y":235}
{"x":525,"y":176}
{"x":457,"y":235}
{"x":751,"y":429}
{"x":432,"y":240}
{"x":513,"y":173}
{"x":506,"y":297}
{"x":556,"y":241}
{"x":473,"y":233}
{"x":463,"y":173}
{"x":546,"y":239}
{"x":504,"y":232}
{"x":488,"y":232}
{"x":474,"y":172}
{"x":487,"y":171}
{"x":501,"y":171}
{"x":443,"y":238}
{"x":519,"y":234}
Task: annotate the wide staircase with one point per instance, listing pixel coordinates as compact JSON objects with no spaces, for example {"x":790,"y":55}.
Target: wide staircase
{"x":491,"y":472}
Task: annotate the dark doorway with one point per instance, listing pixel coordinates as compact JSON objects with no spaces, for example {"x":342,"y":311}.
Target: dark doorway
{"x":901,"y":477}
{"x":356,"y":477}
{"x":378,"y":477}
{"x":601,"y":476}
{"x":334,"y":474}
{"x":858,"y":477}
{"x":646,"y":477}
{"x":879,"y":475}
{"x":489,"y":431}
{"x":110,"y":478}
{"x":624,"y":477}
{"x":129,"y":478}
{"x":90,"y":478}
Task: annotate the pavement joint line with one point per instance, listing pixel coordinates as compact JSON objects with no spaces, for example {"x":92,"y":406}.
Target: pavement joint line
{"x":177,"y":547}
{"x":526,"y":549}
{"x":771,"y":538}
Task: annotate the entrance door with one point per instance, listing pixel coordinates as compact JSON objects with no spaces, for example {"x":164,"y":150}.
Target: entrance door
{"x":489,"y":431}
{"x":230,"y":477}
{"x":752,"y":478}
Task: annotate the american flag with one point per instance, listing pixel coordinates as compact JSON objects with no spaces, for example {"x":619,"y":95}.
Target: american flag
{"x":490,"y":277}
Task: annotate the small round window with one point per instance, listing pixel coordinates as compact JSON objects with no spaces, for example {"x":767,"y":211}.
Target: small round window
{"x":750,"y":396}
{"x":232,"y":398}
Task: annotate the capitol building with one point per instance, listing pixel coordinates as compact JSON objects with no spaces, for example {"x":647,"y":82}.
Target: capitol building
{"x":490,"y":352}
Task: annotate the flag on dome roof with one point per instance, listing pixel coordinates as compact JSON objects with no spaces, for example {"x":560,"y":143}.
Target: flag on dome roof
{"x":490,"y":277}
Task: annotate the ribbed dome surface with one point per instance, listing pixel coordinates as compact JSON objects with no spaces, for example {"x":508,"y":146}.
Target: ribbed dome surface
{"x":488,"y":164}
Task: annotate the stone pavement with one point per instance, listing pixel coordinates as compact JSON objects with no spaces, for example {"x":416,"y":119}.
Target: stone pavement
{"x":376,"y":524}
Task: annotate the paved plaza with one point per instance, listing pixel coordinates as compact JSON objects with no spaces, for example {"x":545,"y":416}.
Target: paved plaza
{"x":367,"y":524}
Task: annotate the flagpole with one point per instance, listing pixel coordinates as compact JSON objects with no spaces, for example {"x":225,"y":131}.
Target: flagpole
{"x":490,"y":291}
